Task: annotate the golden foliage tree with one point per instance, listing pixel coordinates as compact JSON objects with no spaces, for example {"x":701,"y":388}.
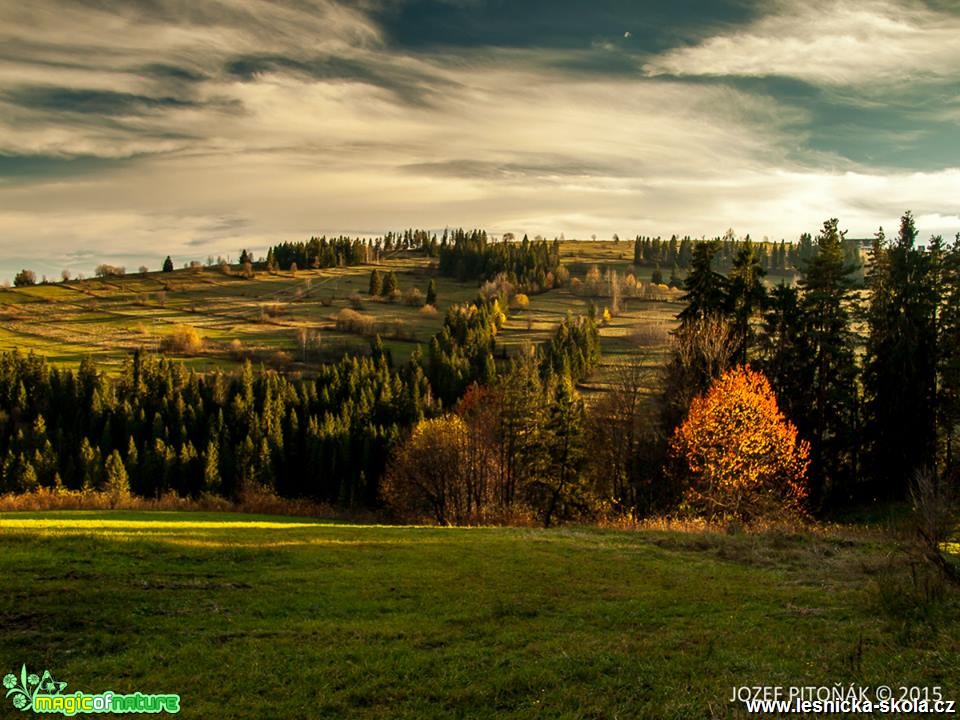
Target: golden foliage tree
{"x":737,"y":454}
{"x":428,"y":473}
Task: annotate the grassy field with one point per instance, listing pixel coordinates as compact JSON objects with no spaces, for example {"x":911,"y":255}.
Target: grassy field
{"x":256,"y":617}
{"x":289,"y":321}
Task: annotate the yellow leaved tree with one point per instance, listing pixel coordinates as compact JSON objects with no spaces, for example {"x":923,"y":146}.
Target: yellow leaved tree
{"x":737,"y":455}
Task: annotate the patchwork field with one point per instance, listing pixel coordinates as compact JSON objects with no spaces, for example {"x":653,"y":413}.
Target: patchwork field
{"x":254,"y":617}
{"x":290,"y":320}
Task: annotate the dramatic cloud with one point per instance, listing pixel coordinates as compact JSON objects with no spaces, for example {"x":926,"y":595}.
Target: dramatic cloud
{"x":197,"y":129}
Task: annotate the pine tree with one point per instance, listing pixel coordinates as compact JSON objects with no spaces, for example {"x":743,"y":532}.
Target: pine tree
{"x":432,"y":293}
{"x":168,"y":264}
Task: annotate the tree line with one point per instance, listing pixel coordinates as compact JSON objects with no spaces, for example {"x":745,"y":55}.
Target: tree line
{"x":870,"y":378}
{"x":158,"y":428}
{"x":777,"y":258}
{"x":532,"y":266}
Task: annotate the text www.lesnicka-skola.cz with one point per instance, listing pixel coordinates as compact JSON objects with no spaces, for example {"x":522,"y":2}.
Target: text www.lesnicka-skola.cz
{"x":843,"y":699}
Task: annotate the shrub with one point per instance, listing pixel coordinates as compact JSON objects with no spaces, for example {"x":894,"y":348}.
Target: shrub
{"x":183,"y":339}
{"x":25,"y":277}
{"x":650,"y":335}
{"x":236,"y":349}
{"x":356,"y":301}
{"x":428,"y":310}
{"x":272,"y":310}
{"x":521,"y":301}
{"x":736,"y":453}
{"x":105,"y":270}
{"x":413,"y":297}
{"x":934,"y":521}
{"x":500,"y":287}
{"x":354,"y":322}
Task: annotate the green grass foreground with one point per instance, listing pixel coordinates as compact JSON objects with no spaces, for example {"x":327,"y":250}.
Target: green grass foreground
{"x":266,"y":617}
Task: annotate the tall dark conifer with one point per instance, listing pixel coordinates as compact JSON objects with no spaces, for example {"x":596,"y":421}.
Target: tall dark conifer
{"x":784,"y":351}
{"x":746,"y":296}
{"x":706,"y":289}
{"x":830,"y":413}
{"x":900,"y":362}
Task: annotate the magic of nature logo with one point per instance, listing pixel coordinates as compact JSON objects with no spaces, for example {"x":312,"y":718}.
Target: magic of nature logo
{"x":44,"y":694}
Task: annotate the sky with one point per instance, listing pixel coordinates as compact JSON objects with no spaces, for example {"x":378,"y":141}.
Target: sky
{"x":133,"y":129}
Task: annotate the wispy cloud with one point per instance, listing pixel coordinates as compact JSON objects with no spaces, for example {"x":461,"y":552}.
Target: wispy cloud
{"x":842,"y":42}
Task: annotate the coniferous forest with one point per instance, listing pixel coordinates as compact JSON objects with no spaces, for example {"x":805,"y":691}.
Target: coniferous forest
{"x":865,"y":375}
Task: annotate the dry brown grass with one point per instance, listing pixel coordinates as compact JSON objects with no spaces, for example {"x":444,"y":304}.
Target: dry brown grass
{"x":351,"y":321}
{"x":648,"y":335}
{"x":254,"y":500}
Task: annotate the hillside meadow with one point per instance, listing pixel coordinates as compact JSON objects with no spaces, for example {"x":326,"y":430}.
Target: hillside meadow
{"x":292,"y":320}
{"x":249,"y":616}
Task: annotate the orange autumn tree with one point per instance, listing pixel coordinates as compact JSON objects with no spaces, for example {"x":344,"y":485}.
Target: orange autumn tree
{"x":737,"y":454}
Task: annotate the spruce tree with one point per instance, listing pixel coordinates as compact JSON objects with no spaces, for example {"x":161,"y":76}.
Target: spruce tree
{"x":117,"y":483}
{"x":784,"y":350}
{"x":555,"y":491}
{"x":376,"y":283}
{"x":706,"y":288}
{"x":746,"y":296}
{"x":168,"y":264}
{"x":900,"y":363}
{"x":829,"y":419}
{"x":432,"y":293}
{"x":389,"y":284}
